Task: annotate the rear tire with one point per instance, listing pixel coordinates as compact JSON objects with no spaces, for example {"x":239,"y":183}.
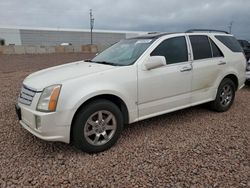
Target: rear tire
{"x":225,"y":96}
{"x":97,"y":126}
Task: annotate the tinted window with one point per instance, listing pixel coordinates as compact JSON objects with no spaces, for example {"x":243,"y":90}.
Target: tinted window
{"x":216,"y":51}
{"x":174,"y":50}
{"x":241,"y":43}
{"x":201,"y":47}
{"x":244,"y":43}
{"x":230,"y":42}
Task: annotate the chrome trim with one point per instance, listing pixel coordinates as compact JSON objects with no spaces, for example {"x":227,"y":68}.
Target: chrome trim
{"x":26,"y":95}
{"x":29,"y":88}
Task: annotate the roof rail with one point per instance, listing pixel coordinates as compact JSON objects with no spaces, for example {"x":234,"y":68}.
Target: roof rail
{"x":206,"y":30}
{"x":153,"y":32}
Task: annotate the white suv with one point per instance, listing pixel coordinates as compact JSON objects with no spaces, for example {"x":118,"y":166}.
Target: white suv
{"x":88,"y":103}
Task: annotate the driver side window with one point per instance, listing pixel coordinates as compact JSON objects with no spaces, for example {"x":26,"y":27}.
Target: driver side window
{"x":173,"y":49}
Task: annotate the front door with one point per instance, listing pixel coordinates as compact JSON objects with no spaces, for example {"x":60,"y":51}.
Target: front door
{"x":166,"y":88}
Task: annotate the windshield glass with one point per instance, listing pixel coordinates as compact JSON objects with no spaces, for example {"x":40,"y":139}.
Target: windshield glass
{"x":123,"y":53}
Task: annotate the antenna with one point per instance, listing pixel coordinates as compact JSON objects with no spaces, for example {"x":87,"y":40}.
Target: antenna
{"x":230,"y":27}
{"x":92,"y":20}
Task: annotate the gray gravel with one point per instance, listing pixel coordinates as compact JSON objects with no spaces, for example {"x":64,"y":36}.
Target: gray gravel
{"x":189,"y":148}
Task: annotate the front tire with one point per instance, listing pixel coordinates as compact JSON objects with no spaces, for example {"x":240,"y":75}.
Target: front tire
{"x":97,"y":126}
{"x":225,"y":96}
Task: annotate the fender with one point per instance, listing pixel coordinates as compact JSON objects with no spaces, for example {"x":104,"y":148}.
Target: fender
{"x":77,"y":92}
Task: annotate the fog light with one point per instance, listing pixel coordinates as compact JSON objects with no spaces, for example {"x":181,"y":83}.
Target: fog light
{"x":38,"y":122}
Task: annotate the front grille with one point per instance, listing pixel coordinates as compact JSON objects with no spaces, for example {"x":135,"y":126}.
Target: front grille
{"x":26,"y":95}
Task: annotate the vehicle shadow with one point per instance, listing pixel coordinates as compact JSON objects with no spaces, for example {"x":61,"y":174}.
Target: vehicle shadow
{"x":247,"y":86}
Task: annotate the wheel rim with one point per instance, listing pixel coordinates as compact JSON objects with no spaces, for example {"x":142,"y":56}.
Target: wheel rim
{"x":226,"y":95}
{"x":100,"y":128}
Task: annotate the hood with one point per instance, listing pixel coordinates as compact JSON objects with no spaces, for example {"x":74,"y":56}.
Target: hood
{"x":56,"y":75}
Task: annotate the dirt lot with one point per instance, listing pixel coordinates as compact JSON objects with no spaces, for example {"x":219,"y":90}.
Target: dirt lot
{"x":193,"y":147}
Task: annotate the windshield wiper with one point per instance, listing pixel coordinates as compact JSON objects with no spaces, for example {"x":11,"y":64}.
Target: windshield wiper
{"x":88,"y":60}
{"x":105,"y":63}
{"x":101,"y":62}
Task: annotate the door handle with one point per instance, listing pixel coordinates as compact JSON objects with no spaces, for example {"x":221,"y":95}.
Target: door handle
{"x":222,"y":63}
{"x":185,"y":69}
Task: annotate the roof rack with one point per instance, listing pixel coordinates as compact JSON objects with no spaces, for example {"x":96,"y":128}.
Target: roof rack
{"x":153,"y":32}
{"x":206,"y":30}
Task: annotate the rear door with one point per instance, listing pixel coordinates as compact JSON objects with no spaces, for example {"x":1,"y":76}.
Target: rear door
{"x":208,"y":62}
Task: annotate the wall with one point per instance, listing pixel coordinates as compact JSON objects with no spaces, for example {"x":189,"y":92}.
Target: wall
{"x":54,"y":37}
{"x":19,"y":49}
{"x":11,"y":36}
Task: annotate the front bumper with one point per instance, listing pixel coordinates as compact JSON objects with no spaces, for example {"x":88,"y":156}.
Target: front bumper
{"x":46,"y":126}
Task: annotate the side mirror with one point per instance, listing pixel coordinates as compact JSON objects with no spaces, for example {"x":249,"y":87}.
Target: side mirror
{"x":155,"y":62}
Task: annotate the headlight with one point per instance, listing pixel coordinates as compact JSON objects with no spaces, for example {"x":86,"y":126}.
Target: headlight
{"x":48,"y":99}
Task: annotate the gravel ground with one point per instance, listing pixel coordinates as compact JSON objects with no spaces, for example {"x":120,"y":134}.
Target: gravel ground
{"x":189,"y":148}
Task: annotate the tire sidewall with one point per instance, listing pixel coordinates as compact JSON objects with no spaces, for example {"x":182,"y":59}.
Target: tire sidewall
{"x":80,"y":122}
{"x":218,"y":105}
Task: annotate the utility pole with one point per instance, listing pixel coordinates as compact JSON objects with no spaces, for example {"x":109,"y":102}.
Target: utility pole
{"x":92,"y":20}
{"x":230,"y":26}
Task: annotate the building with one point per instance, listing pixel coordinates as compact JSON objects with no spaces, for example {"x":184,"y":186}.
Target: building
{"x":56,"y":36}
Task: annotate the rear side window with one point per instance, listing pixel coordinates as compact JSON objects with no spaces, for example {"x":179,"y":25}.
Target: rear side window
{"x":230,"y":42}
{"x":173,"y":49}
{"x":201,"y":47}
{"x":215,"y":49}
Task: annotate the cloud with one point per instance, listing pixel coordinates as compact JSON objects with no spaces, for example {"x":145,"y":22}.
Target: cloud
{"x":147,"y":15}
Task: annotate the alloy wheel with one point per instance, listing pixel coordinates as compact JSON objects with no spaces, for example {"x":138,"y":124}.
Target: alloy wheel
{"x":100,"y":128}
{"x":226,"y":95}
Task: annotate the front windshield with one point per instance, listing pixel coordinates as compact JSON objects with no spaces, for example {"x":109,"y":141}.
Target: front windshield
{"x":123,"y":53}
